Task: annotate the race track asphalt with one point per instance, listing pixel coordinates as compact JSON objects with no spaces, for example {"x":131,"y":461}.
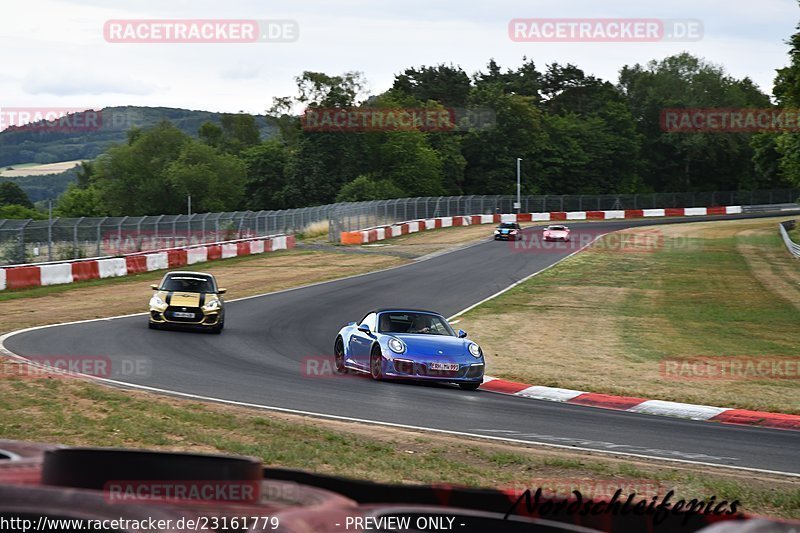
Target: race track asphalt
{"x":261,"y":359}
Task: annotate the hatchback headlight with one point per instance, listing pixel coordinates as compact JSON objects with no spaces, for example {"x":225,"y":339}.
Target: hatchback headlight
{"x":156,"y":301}
{"x":213,"y":305}
{"x":396,"y":346}
{"x":475,"y":350}
{"x":497,"y":231}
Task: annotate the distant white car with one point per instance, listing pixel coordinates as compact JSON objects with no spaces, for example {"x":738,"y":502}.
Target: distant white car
{"x":556,"y":233}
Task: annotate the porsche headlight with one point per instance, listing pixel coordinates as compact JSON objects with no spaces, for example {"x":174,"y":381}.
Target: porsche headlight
{"x":213,"y":305}
{"x":475,"y":350}
{"x":156,"y":301}
{"x":396,"y":346}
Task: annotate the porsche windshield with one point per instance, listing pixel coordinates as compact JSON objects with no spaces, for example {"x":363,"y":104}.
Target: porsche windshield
{"x":188,"y":284}
{"x":419,"y":323}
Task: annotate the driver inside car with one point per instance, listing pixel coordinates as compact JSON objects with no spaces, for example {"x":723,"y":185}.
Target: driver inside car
{"x":422,"y":324}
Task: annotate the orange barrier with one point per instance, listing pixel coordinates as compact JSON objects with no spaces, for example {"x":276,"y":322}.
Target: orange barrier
{"x":351,"y":237}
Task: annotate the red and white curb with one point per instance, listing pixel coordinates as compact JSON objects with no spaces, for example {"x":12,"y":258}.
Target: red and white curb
{"x":644,"y":406}
{"x":380,"y":233}
{"x":37,"y":275}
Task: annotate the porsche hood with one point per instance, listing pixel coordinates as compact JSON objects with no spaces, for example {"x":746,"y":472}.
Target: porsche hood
{"x":420,"y":344}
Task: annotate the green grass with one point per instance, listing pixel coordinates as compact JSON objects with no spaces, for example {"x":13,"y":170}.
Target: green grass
{"x":794,"y":234}
{"x":699,"y":297}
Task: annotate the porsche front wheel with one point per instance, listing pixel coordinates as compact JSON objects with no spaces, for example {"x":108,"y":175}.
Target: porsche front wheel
{"x":338,"y":356}
{"x":376,"y":364}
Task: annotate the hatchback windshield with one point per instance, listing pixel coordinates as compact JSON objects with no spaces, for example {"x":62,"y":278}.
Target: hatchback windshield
{"x":188,"y":284}
{"x":420,"y":323}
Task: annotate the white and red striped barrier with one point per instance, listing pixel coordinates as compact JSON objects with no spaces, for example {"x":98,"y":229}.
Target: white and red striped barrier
{"x":380,"y":233}
{"x":643,"y":405}
{"x":37,"y":275}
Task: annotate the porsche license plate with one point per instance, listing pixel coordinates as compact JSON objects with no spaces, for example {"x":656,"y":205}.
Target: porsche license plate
{"x":181,"y":314}
{"x":449,"y":367}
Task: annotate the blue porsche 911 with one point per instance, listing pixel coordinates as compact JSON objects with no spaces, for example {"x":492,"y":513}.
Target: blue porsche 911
{"x":410,"y":344}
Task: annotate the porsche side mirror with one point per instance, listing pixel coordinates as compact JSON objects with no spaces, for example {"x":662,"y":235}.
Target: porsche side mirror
{"x":462,"y":334}
{"x":364,"y":328}
{"x":222,"y":291}
{"x":154,"y":287}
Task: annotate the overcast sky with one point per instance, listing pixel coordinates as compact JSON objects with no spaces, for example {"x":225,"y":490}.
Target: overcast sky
{"x":54,"y":53}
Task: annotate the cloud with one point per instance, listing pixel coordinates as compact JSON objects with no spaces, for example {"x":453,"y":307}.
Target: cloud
{"x":241,"y":72}
{"x":75,"y":82}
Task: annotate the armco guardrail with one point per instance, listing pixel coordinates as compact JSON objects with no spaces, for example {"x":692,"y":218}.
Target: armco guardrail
{"x":784,"y":228}
{"x":379,"y":233}
{"x":42,"y":274}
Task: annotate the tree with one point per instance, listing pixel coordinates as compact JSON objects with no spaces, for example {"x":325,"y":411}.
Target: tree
{"x":447,"y":85}
{"x":239,"y":131}
{"x":12,"y":194}
{"x":266,"y":179}
{"x":20,"y":212}
{"x":690,"y":161}
{"x":491,"y":153}
{"x":787,"y":92}
{"x":365,"y":188}
{"x":317,"y":89}
{"x":154,"y":173}
{"x":80,"y":202}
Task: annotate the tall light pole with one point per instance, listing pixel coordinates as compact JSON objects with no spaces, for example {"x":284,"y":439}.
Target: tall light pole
{"x":518,"y":205}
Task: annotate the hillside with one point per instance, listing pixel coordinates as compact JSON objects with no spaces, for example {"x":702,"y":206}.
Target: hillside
{"x":44,"y":143}
{"x":40,"y":143}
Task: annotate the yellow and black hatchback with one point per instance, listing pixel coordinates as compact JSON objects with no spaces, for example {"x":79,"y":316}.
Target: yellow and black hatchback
{"x":188,"y":300}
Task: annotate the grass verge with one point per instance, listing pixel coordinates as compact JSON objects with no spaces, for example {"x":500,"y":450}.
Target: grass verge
{"x":614,"y":315}
{"x":76,"y":412}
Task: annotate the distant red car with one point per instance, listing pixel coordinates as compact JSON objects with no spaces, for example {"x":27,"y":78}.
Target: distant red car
{"x":556,"y":233}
